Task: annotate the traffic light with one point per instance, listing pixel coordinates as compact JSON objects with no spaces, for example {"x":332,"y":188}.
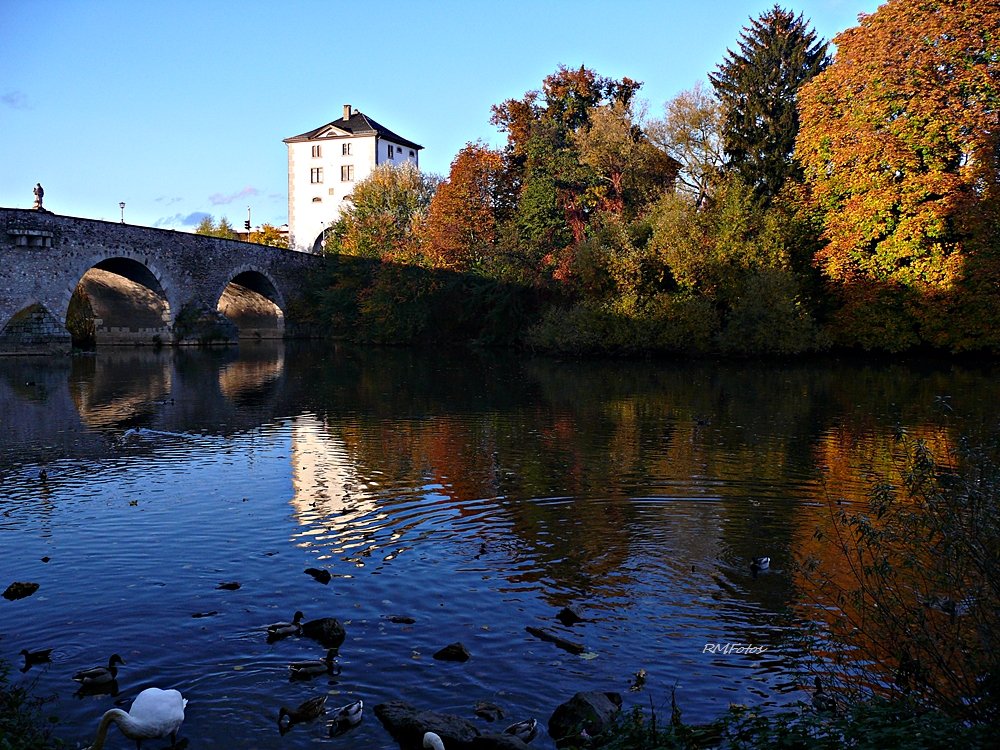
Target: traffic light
{"x":246,"y":225}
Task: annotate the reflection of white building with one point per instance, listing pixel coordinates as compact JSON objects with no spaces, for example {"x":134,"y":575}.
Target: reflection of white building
{"x":324,"y":164}
{"x":330,"y":500}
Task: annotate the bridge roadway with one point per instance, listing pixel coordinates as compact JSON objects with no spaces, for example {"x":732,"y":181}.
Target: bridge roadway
{"x":143,"y":285}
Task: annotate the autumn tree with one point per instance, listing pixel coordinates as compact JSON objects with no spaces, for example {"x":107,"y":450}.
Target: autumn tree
{"x":690,"y":132}
{"x":383,"y":212}
{"x":556,"y":189}
{"x":468,"y":209}
{"x":631,"y":169}
{"x":901,"y":142}
{"x":757,"y":87}
{"x":269,"y":235}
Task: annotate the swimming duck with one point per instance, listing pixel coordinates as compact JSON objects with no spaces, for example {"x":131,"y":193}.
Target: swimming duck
{"x":433,"y":741}
{"x":100,"y":675}
{"x":821,"y":701}
{"x":346,"y":717}
{"x":758,"y":564}
{"x":523,"y":730}
{"x":304,"y":670}
{"x":154,"y":714}
{"x":287,"y":628}
{"x":311,"y":709}
{"x":34,"y":657}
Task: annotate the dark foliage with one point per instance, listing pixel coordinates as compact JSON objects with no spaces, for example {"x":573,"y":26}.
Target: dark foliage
{"x":758,"y":88}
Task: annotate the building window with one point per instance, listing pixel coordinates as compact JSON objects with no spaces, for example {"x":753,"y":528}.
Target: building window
{"x":399,"y":149}
{"x":388,"y":154}
{"x":317,"y":199}
{"x":347,"y":173}
{"x":317,"y":151}
{"x":331,"y":191}
{"x":411,"y":153}
{"x":316,"y":175}
{"x":345,"y":149}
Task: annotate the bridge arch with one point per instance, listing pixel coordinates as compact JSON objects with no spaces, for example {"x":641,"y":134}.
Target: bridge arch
{"x":253,"y":301}
{"x":120,"y":298}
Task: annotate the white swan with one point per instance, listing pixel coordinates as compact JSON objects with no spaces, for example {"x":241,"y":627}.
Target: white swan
{"x":154,"y":714}
{"x":433,"y":741}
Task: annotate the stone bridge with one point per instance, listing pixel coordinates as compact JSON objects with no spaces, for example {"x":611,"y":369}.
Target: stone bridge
{"x":66,"y":281}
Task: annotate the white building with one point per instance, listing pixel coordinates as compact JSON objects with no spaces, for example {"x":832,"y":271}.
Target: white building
{"x":324,"y":165}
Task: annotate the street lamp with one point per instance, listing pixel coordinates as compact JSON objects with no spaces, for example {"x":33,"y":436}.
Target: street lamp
{"x":122,"y":207}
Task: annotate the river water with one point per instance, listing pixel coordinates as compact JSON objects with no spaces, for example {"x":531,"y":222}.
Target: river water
{"x":475,"y":492}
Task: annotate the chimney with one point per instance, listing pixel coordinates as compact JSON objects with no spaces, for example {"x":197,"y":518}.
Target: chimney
{"x":347,"y":111}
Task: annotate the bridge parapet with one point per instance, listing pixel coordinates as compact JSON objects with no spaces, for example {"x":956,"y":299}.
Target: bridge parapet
{"x":44,"y":256}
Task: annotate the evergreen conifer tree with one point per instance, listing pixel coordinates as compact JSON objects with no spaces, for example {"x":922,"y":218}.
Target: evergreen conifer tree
{"x":758,"y":87}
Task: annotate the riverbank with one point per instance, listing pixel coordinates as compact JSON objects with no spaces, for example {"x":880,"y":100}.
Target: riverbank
{"x":24,"y":724}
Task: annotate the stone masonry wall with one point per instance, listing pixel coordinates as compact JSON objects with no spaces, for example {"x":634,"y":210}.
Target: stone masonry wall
{"x":43,"y":256}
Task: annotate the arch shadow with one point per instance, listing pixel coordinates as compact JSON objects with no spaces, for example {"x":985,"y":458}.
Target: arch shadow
{"x":118,"y":300}
{"x":254,"y":303}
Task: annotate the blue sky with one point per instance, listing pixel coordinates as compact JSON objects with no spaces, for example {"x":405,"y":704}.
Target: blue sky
{"x":179,"y":108}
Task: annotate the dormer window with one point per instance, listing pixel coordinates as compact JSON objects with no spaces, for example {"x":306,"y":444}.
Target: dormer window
{"x":317,"y":151}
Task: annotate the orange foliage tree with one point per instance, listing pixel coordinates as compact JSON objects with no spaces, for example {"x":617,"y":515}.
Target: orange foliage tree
{"x":467,"y":210}
{"x":900,"y":139}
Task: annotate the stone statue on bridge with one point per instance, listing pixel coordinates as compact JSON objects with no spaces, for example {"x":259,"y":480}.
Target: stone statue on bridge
{"x":39,"y":194}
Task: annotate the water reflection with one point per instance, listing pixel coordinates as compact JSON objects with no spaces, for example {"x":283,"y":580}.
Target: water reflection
{"x":476,"y":493}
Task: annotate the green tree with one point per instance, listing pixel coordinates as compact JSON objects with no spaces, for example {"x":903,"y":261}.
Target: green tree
{"x":208,"y":228}
{"x":758,"y":88}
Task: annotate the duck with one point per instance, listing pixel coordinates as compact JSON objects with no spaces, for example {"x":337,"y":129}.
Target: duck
{"x":758,"y":564}
{"x":346,"y":717}
{"x":35,"y":657}
{"x":100,"y":675}
{"x":154,"y":714}
{"x":287,"y":628}
{"x":311,"y":709}
{"x":821,"y":701}
{"x":304,"y":670}
{"x":523,"y":730}
{"x":433,"y":741}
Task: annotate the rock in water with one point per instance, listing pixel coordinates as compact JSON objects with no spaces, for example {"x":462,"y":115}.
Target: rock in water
{"x":327,"y":630}
{"x":569,"y":616}
{"x":230,"y":586}
{"x":591,"y":711}
{"x":488,"y":711}
{"x":407,"y":725}
{"x":18,"y":590}
{"x":452,"y":652}
{"x":323,"y":576}
{"x":565,"y":645}
{"x":402,"y":619}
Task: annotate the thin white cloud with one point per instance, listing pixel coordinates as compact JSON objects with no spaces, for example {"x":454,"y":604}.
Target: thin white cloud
{"x":190,"y":220}
{"x":222,"y":200}
{"x":15,"y":100}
